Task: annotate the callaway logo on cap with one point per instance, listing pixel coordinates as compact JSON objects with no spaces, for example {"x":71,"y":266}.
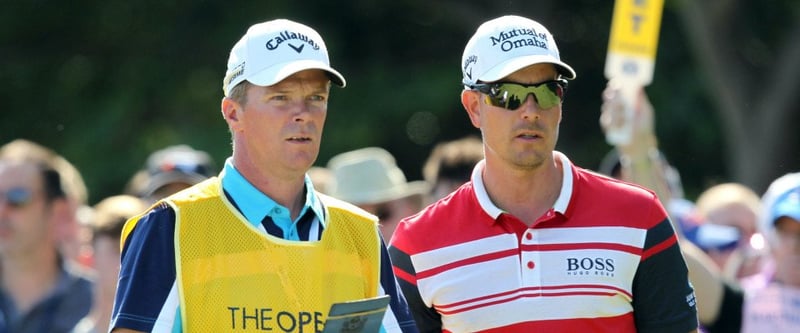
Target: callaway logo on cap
{"x":271,"y":51}
{"x":506,"y":44}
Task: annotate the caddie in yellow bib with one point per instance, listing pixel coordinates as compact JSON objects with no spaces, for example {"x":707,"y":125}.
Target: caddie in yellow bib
{"x":232,"y":277}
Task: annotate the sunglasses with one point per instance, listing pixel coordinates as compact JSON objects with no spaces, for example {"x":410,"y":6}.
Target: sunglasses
{"x":17,"y":197}
{"x":512,"y":95}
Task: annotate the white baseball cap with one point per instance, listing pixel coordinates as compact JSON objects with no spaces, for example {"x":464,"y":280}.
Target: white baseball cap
{"x":782,"y":198}
{"x":506,"y":44}
{"x":272,"y":51}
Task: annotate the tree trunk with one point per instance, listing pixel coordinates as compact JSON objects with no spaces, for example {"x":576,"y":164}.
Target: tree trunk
{"x":756,"y":103}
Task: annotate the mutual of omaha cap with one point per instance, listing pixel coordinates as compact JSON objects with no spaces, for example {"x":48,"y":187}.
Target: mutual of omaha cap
{"x":272,"y":51}
{"x":506,"y":44}
{"x":370,"y":175}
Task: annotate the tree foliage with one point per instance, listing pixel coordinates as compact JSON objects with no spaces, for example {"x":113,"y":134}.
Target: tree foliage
{"x":107,"y":82}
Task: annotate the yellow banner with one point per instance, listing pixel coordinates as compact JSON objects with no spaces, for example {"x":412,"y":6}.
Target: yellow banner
{"x":635,"y":26}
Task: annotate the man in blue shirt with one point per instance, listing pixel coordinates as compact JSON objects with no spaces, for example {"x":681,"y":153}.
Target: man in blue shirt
{"x":41,"y":289}
{"x":261,"y":210}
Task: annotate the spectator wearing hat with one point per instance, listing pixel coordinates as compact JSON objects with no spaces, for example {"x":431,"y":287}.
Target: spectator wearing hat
{"x":370,"y":178}
{"x":41,"y":288}
{"x":257,"y":248}
{"x":769,"y":301}
{"x":534,"y":243}
{"x":170,"y":170}
{"x":640,"y":161}
{"x":722,"y":221}
{"x":772,"y":301}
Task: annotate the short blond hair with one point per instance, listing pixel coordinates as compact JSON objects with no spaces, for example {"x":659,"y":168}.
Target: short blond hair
{"x":239,"y":92}
{"x":725,"y":194}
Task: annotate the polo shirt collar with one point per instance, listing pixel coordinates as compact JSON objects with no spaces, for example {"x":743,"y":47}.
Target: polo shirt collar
{"x":492,"y":210}
{"x":255,"y":205}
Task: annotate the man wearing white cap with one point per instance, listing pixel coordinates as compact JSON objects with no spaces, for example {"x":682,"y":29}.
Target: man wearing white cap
{"x":257,"y":248}
{"x":772,"y":301}
{"x":534,"y":243}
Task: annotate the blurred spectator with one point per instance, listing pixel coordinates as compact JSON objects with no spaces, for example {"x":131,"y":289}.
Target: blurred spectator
{"x":771,"y":299}
{"x":40,"y":289}
{"x":170,"y":170}
{"x":68,"y":229}
{"x":729,"y":215}
{"x":724,"y":220}
{"x":640,"y":161}
{"x":107,"y":219}
{"x":450,"y":165}
{"x":612,"y":166}
{"x":370,"y":178}
{"x":665,"y":179}
{"x":773,"y":296}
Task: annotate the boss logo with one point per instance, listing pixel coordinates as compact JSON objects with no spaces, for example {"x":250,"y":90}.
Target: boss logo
{"x":590,"y":266}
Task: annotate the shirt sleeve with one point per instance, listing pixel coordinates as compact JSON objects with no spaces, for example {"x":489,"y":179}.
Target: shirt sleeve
{"x":663,"y":298}
{"x":427,"y":319}
{"x":397,"y":304}
{"x":147,"y":271}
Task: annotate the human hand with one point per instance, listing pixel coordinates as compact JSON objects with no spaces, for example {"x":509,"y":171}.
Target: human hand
{"x":632,"y":131}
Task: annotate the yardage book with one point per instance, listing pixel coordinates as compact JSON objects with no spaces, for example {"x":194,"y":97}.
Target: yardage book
{"x":361,"y":316}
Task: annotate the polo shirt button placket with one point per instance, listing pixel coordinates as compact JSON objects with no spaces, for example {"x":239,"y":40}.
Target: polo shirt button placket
{"x":528,"y":237}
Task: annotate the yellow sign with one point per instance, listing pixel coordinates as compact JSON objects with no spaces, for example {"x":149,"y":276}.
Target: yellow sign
{"x":631,"y":57}
{"x":635,"y":26}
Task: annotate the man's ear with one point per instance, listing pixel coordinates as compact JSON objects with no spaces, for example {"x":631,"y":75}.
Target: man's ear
{"x":471,"y":100}
{"x":230,"y":111}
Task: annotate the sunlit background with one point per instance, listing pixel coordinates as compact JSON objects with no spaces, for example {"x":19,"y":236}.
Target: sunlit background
{"x":105,"y":83}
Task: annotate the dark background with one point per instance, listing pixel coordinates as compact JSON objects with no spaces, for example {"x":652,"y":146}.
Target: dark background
{"x":105,"y":83}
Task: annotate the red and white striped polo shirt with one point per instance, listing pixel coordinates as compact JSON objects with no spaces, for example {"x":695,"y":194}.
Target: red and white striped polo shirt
{"x":605,"y":258}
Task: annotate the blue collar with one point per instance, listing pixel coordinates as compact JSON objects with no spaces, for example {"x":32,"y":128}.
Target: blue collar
{"x":255,"y":205}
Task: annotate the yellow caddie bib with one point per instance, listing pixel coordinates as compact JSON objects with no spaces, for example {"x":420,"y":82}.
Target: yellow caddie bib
{"x":233,"y":278}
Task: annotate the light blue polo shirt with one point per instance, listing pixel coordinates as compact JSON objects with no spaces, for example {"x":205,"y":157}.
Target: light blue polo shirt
{"x":255,"y":205}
